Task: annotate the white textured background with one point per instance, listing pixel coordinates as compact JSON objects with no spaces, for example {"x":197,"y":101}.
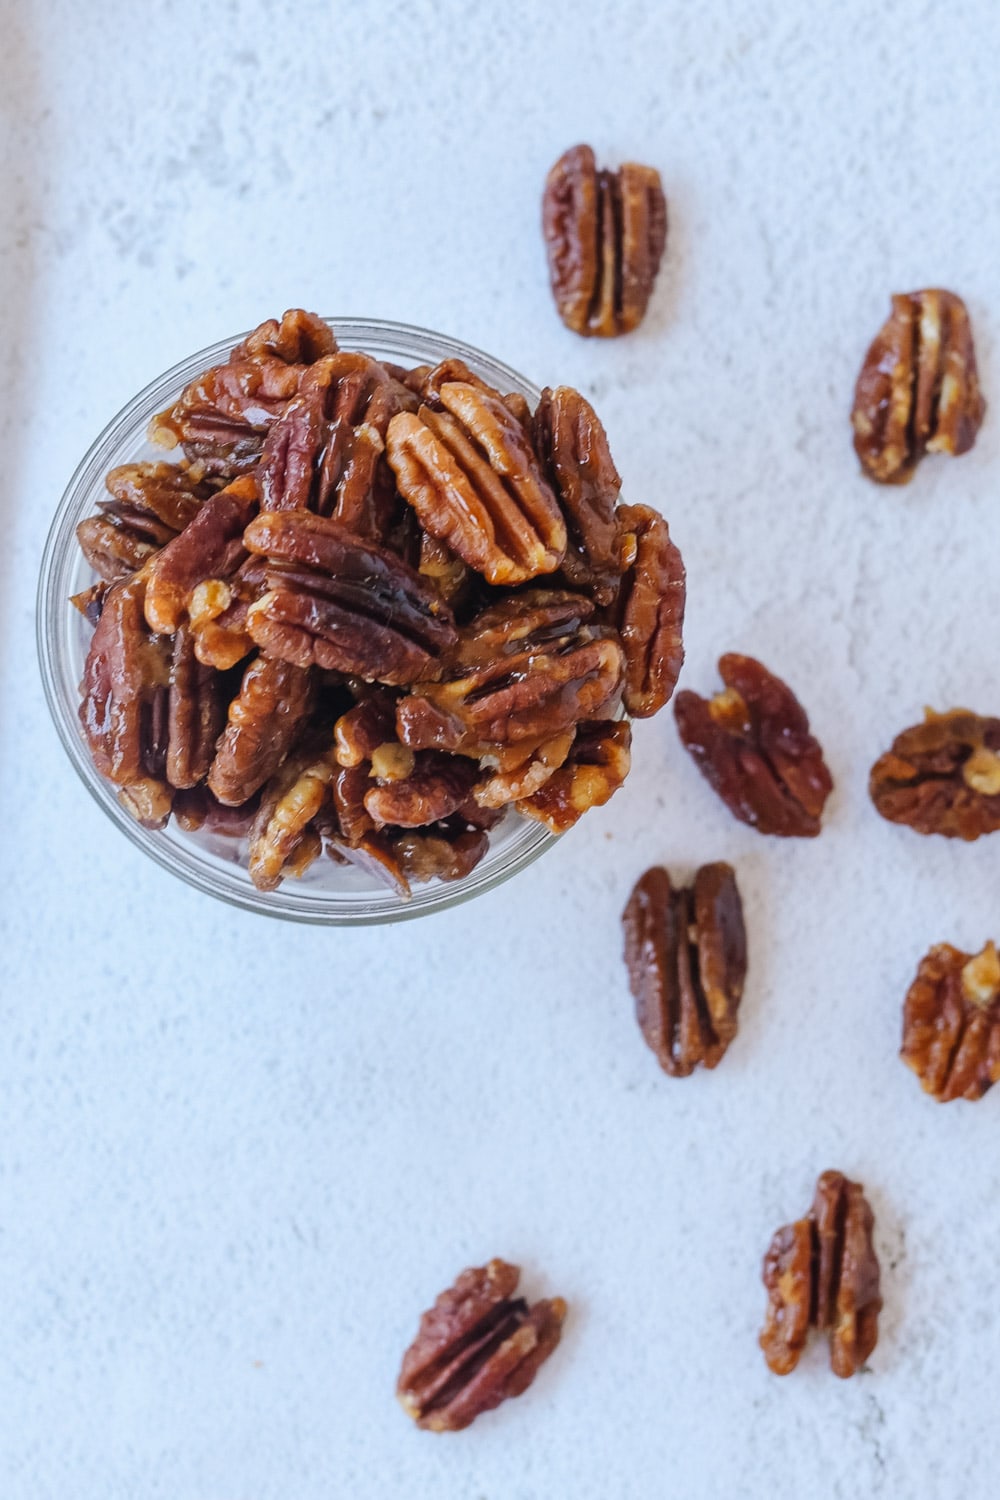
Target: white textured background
{"x":238,"y":1158}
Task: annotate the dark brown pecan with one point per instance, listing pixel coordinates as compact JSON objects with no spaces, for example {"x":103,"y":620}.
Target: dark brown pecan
{"x":752,"y":744}
{"x":265,"y":719}
{"x":196,"y":714}
{"x":605,"y":234}
{"x":822,"y":1272}
{"x":436,"y":787}
{"x":951,"y":1022}
{"x":471,"y":475}
{"x":576,"y":460}
{"x":686,"y":955}
{"x":210,"y":546}
{"x":650,"y":610}
{"x":344,"y":604}
{"x":149,"y":505}
{"x":477,"y":1346}
{"x":281,"y":839}
{"x":595,"y":767}
{"x":942,"y":776}
{"x":918,"y":391}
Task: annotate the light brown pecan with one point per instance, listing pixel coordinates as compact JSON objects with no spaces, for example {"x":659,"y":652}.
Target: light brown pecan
{"x":686,"y":955}
{"x":753,"y":746}
{"x":942,"y":776}
{"x":451,"y":370}
{"x":918,"y":390}
{"x":265,"y":719}
{"x":471,"y":475}
{"x":573,"y":448}
{"x":436,"y":787}
{"x":650,"y":610}
{"x":951,"y":1022}
{"x":477,"y":1346}
{"x":281,"y":839}
{"x":595,"y":767}
{"x":369,"y":724}
{"x":605,"y":234}
{"x":344,"y":604}
{"x":149,"y":505}
{"x":822,"y":1272}
{"x":210,"y":546}
{"x":523,"y":770}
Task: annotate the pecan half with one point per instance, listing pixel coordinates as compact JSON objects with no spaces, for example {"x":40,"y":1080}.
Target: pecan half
{"x":822,"y":1272}
{"x":436,"y":787}
{"x":471,"y":475}
{"x":752,"y":744}
{"x":918,"y":390}
{"x":196,"y":714}
{"x":573,"y":448}
{"x":149,"y":505}
{"x":431,"y":379}
{"x":605,"y":234}
{"x":951,"y":1022}
{"x":650,"y":610}
{"x":210,"y":546}
{"x":595,"y":767}
{"x":477,"y":1346}
{"x":281,"y":840}
{"x":265,"y":719}
{"x":686,"y":955}
{"x":942,"y":776}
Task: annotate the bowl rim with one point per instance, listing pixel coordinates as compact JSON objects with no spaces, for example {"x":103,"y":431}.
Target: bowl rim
{"x":53,"y":618}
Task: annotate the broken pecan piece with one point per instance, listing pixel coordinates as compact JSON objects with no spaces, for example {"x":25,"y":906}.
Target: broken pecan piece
{"x":951,"y":1022}
{"x":573,"y":448}
{"x":918,"y":390}
{"x":477,"y":1346}
{"x":281,"y":841}
{"x":942,"y":776}
{"x":210,"y":546}
{"x":822,"y":1272}
{"x":650,"y":610}
{"x":605,"y":234}
{"x":595,"y":767}
{"x":265,"y":719}
{"x":471,"y":474}
{"x":752,"y":744}
{"x":686,"y":955}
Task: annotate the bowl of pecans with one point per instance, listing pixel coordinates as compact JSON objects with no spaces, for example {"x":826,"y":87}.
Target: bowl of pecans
{"x":342,"y":621}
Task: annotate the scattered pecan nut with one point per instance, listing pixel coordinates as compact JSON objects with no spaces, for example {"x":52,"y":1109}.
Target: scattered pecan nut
{"x":918,"y":390}
{"x":650,"y":610}
{"x":605,"y":234}
{"x":942,"y":776}
{"x":595,"y":767}
{"x":822,"y":1272}
{"x":573,"y":448}
{"x":265,"y":720}
{"x":686,"y":955}
{"x":479,"y":1344}
{"x":752,"y":744}
{"x":951,"y":1022}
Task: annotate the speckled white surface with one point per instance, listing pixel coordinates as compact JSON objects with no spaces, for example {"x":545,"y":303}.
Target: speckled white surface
{"x":237,"y":1158}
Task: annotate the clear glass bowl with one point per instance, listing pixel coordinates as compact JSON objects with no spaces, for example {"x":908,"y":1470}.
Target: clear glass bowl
{"x":327,"y":893}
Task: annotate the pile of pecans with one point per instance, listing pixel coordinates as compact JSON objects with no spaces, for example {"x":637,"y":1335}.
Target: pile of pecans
{"x":369,"y":610}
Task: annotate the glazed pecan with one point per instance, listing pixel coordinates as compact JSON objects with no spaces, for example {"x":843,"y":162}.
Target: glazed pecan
{"x":218,"y":609}
{"x":447,"y":851}
{"x":605,"y":234}
{"x":522,"y":769}
{"x":471,"y":475}
{"x":149,"y":505}
{"x":431,"y":380}
{"x":281,"y":839}
{"x":650,"y":610}
{"x":436,"y":786}
{"x":366,"y":727}
{"x":210,"y":546}
{"x":196,"y":714}
{"x":573,"y":448}
{"x":527,"y":669}
{"x":342,"y":603}
{"x":918,"y":390}
{"x":951,"y":1022}
{"x":477,"y":1346}
{"x":686,"y":955}
{"x":595,"y":767}
{"x":265,"y":719}
{"x":197,"y":810}
{"x":822,"y":1272}
{"x":752,"y":744}
{"x":942,"y":776}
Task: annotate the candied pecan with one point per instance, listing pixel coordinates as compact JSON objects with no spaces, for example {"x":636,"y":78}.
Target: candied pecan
{"x":650,"y":610}
{"x":595,"y":767}
{"x":449,"y":575}
{"x":942,"y":776}
{"x":197,"y":810}
{"x":822,"y":1272}
{"x":686,"y":955}
{"x":265,"y":719}
{"x":196,"y":714}
{"x":149,"y":505}
{"x":918,"y":390}
{"x":210,"y":546}
{"x":360,"y":731}
{"x":951,"y":1022}
{"x":343,"y":603}
{"x":753,"y":746}
{"x":350,"y":787}
{"x":605,"y":234}
{"x":573,"y":448}
{"x":217,"y":614}
{"x":520,"y":775}
{"x":437,"y":786}
{"x":471,"y":475}
{"x":478,"y":1345}
{"x":280,"y":837}
{"x":449,"y":370}
{"x":449,"y":851}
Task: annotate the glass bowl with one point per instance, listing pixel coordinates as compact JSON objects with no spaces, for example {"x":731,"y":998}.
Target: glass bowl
{"x":327,"y":893}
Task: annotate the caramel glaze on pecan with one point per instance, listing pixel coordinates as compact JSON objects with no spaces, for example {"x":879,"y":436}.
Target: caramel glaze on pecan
{"x":942,"y":776}
{"x":595,"y":766}
{"x":650,"y":610}
{"x":479,"y":1344}
{"x":266,"y":718}
{"x":605,"y":234}
{"x":822,"y":1272}
{"x":210,"y":546}
{"x":918,"y":390}
{"x":752,"y":744}
{"x":686,"y":956}
{"x":951,"y":1022}
{"x":149,"y":505}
